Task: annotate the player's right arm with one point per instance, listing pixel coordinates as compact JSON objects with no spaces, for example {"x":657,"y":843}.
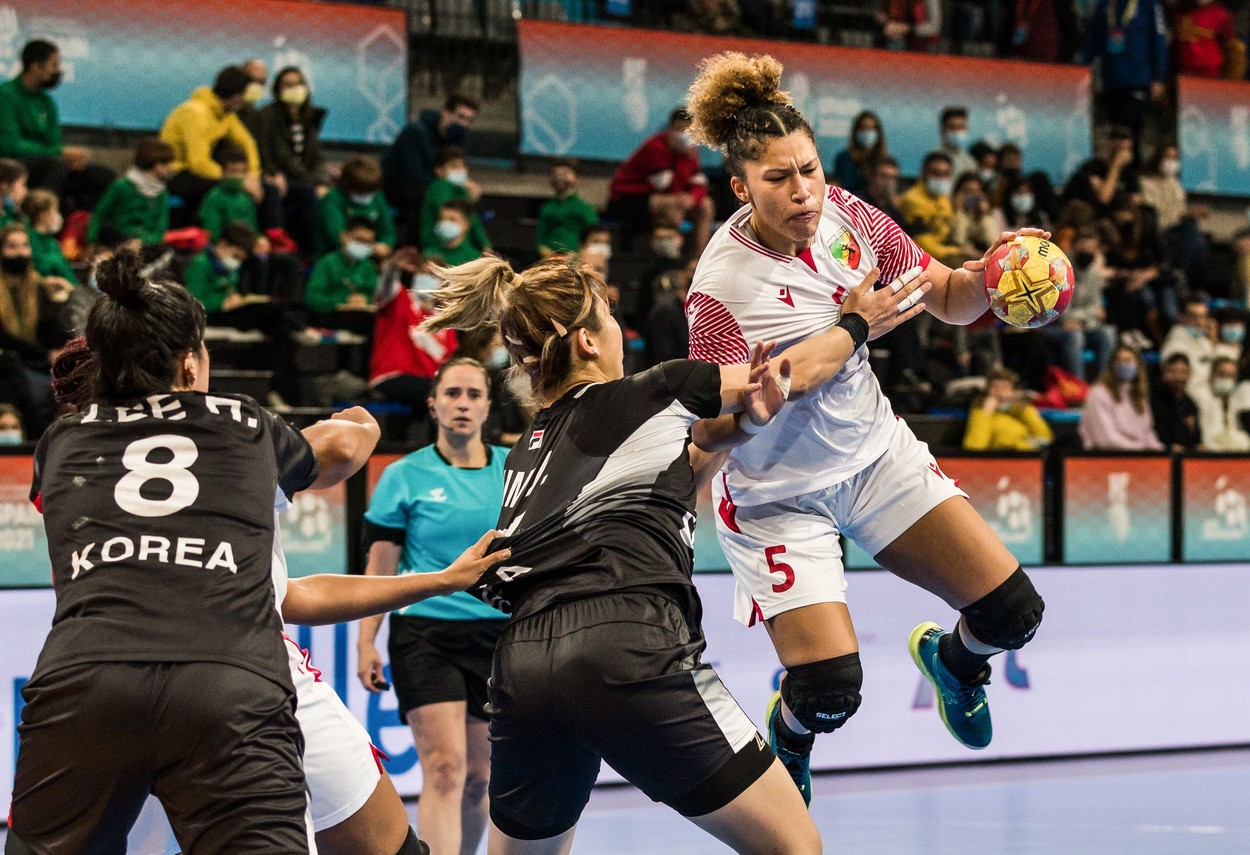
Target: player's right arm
{"x":342,"y":444}
{"x":383,"y":561}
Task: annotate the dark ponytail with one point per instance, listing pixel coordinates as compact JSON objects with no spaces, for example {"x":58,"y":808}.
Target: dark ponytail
{"x":139,"y":330}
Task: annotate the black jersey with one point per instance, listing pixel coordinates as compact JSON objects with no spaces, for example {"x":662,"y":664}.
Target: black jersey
{"x":599,"y":494}
{"x":160,"y":519}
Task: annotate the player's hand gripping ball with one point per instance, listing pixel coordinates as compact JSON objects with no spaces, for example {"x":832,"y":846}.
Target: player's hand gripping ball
{"x":1029,"y":282}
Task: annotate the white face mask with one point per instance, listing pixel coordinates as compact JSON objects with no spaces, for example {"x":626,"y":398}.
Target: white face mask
{"x":357,"y":250}
{"x":448,"y":230}
{"x":604,"y":248}
{"x":939,"y":186}
{"x":363,"y":198}
{"x":1170,"y":167}
{"x":1223,"y":386}
{"x":295,"y":95}
{"x":230,"y":263}
{"x":254,"y":92}
{"x":1022,"y":202}
{"x":424,"y":285}
{"x":10,"y":436}
{"x":458,"y":176}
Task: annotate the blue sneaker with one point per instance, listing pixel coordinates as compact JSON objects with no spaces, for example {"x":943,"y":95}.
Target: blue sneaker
{"x":963,"y":706}
{"x":797,"y":763}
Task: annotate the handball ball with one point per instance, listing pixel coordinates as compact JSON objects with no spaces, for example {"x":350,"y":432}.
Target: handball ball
{"x":1029,"y":282}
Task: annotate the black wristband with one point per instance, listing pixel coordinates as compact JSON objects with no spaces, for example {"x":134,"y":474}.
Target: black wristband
{"x":856,"y":327}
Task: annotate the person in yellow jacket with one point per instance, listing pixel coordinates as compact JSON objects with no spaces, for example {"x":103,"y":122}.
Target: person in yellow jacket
{"x":1003,"y":419}
{"x":929,"y":214}
{"x":194,"y":129}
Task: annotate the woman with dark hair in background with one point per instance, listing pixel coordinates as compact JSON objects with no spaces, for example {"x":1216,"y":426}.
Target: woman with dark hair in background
{"x":34,"y":323}
{"x":1117,"y":415}
{"x":290,"y":154}
{"x":852,"y":165}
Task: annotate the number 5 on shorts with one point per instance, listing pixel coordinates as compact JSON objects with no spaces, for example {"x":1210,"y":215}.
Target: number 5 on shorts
{"x":779,"y":567}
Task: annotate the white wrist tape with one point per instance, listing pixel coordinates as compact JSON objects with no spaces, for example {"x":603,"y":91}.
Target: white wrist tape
{"x":783,"y":383}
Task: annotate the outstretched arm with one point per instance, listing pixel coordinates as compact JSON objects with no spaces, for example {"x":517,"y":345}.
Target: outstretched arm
{"x":330,"y":598}
{"x":958,"y":296}
{"x":342,"y":444}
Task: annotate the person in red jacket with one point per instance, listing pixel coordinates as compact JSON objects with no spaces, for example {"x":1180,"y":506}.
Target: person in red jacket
{"x":404,"y":359}
{"x":1204,"y":35}
{"x":662,"y":184}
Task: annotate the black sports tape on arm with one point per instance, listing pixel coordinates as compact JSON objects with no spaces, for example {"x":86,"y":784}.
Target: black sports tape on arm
{"x":372,"y":533}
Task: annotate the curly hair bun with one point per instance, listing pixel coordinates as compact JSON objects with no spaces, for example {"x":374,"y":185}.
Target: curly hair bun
{"x":120,"y":275}
{"x":728,"y":85}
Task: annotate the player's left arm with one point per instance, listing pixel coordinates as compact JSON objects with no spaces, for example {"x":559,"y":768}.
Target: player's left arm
{"x":342,"y":444}
{"x":958,"y":296}
{"x":328,"y":598}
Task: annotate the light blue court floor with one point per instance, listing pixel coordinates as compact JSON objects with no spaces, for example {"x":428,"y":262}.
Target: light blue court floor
{"x":1180,"y":804}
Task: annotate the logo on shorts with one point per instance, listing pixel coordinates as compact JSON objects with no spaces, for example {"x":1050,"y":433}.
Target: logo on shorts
{"x":845,"y":250}
{"x":536,"y":440}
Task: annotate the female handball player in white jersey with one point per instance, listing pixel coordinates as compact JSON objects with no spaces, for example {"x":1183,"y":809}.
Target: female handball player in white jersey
{"x":839,"y":461}
{"x":601,"y":657}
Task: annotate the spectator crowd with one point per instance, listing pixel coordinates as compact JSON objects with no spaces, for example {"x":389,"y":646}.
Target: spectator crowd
{"x":236,"y":198}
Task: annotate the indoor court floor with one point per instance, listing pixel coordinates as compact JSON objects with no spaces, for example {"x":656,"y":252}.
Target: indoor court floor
{"x":1183,"y":803}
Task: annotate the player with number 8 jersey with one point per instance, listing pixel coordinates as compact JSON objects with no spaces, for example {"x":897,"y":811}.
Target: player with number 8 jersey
{"x":164,"y":671}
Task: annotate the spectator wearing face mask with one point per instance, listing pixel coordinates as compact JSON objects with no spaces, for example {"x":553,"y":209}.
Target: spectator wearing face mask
{"x":928,"y":214}
{"x":658,"y":279}
{"x":1178,"y":220}
{"x":408,"y":164}
{"x":33,"y":323}
{"x":450,"y":243}
{"x":136,"y":206}
{"x":1019,"y":207}
{"x":986,"y":157}
{"x":345,"y":280}
{"x":13,"y":191}
{"x":196,"y":127}
{"x":228,"y":202}
{"x":1230,"y":333}
{"x":976,"y":223}
{"x":1194,"y":337}
{"x":1117,"y":414}
{"x":405,"y":358}
{"x":1222,"y":402}
{"x":357,"y":194}
{"x":1011,"y":168}
{"x":10,"y":426}
{"x":1175,"y":413}
{"x":662,"y":184}
{"x":1084,"y":325}
{"x":866,"y":146}
{"x":212,"y":277}
{"x":290,"y":153}
{"x":883,"y":190}
{"x":1003,"y":419}
{"x":953,"y":128}
{"x":43,"y":213}
{"x":562,"y":218}
{"x":452,"y":184}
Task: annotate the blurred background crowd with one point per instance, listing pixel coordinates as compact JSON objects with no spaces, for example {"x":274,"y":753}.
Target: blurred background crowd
{"x":313,"y":261}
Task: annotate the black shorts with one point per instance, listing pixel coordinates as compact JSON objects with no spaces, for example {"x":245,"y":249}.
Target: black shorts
{"x":618,"y":678}
{"x":218,"y":745}
{"x":433,"y":661}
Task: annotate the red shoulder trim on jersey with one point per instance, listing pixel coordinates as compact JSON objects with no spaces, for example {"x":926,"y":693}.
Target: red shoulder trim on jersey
{"x":762,"y":250}
{"x":714,"y":332}
{"x":38,"y":502}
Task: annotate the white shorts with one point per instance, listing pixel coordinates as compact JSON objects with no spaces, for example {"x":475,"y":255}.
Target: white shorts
{"x":340,"y":763}
{"x":787,"y":554}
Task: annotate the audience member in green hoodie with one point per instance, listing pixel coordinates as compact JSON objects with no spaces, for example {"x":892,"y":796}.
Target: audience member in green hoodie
{"x":12,"y":191}
{"x":229,"y":202}
{"x":136,"y":206}
{"x":452,"y":184}
{"x":451,"y":244}
{"x":340,"y":290}
{"x":357,"y":194}
{"x":561,"y":220}
{"x":44,"y":222}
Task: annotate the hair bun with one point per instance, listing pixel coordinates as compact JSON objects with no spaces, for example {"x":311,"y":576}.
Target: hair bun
{"x":120,"y":275}
{"x":728,"y":85}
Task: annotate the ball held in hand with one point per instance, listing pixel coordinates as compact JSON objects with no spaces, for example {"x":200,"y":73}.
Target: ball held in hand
{"x":1029,"y":282}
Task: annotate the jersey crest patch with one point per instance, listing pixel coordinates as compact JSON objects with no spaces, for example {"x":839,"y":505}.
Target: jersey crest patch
{"x":845,"y":249}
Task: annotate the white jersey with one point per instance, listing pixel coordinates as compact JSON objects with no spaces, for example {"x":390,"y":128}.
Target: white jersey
{"x":744,"y":292}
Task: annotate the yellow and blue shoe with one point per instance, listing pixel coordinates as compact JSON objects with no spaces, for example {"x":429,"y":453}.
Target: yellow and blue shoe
{"x":797,"y":762}
{"x":963,"y":706}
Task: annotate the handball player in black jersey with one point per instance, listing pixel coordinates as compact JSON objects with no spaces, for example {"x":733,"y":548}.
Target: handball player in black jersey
{"x":601,"y":657}
{"x":164,"y":671}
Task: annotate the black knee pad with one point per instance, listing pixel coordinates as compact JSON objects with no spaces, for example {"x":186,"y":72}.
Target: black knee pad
{"x":1007,"y":616}
{"x":823,"y":695}
{"x":413,"y":846}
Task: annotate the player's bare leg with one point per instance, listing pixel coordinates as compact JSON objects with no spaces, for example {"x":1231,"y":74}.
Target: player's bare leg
{"x":768,"y":817}
{"x":474,"y":805}
{"x":378,"y":828}
{"x":441,"y":738}
{"x":499,"y":843}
